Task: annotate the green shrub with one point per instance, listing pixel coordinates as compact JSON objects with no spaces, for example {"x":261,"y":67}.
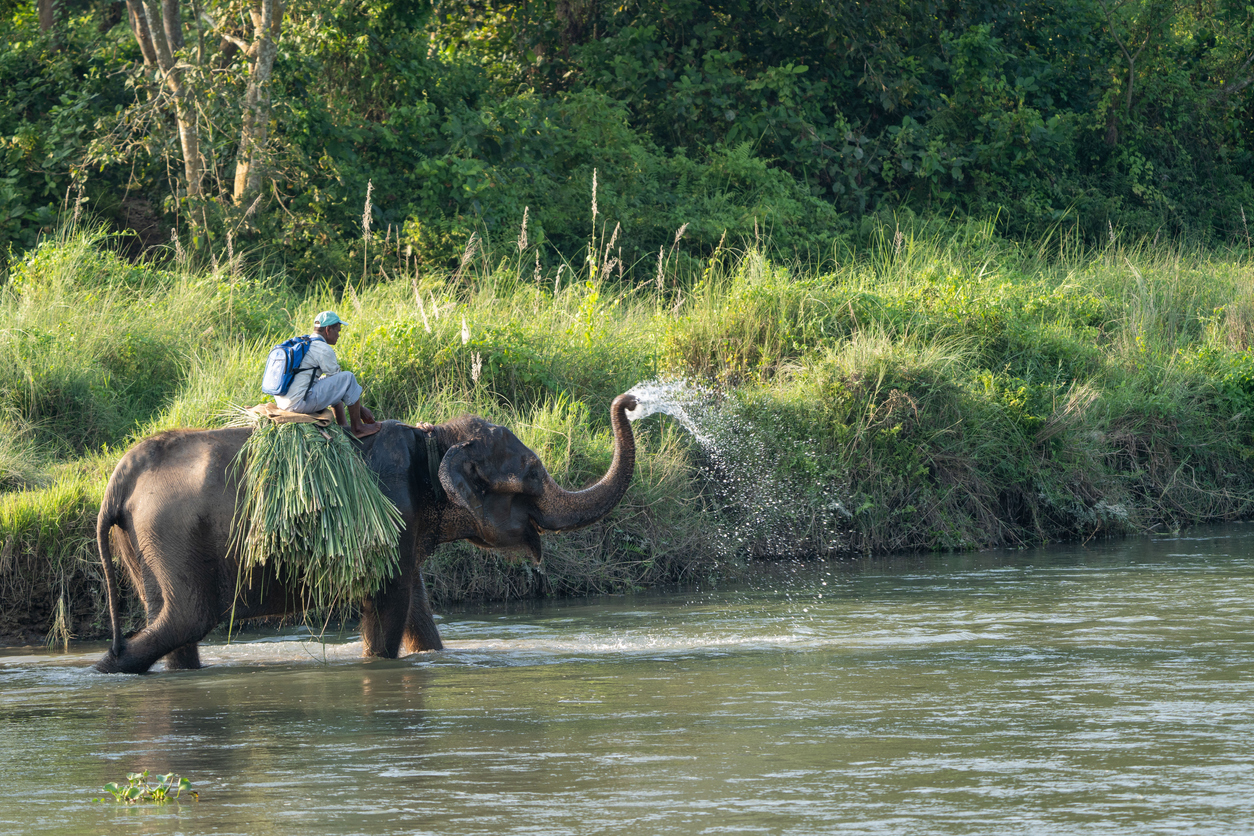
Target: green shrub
{"x":940,"y":388}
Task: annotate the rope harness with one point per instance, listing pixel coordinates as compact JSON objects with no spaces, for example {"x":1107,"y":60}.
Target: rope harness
{"x":433,"y":464}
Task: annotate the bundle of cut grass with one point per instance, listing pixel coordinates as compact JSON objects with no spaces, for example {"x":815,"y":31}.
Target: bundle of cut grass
{"x":309,"y":506}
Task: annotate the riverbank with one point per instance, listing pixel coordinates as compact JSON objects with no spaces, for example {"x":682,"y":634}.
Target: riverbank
{"x":940,"y":389}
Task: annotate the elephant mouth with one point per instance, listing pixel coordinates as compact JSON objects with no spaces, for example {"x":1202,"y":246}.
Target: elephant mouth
{"x":527,"y":544}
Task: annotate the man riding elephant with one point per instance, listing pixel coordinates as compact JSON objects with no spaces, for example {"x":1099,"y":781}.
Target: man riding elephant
{"x":319,"y":382}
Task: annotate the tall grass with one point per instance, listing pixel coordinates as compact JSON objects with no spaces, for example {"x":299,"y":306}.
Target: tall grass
{"x":942,"y":388}
{"x":22,"y":463}
{"x":96,"y":345}
{"x":974,"y":392}
{"x":48,"y":578}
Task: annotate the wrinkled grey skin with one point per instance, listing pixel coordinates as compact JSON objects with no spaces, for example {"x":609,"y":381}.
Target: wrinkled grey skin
{"x":170,"y":500}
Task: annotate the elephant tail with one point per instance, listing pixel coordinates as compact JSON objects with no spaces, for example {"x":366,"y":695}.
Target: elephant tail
{"x":111,"y":515}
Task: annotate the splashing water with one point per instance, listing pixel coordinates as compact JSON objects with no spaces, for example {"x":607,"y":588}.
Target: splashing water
{"x":669,"y":397}
{"x":760,"y":507}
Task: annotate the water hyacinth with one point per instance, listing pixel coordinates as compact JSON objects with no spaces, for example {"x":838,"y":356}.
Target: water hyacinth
{"x":310,"y":506}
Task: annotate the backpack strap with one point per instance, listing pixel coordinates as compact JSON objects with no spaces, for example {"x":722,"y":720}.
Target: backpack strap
{"x":315,"y":371}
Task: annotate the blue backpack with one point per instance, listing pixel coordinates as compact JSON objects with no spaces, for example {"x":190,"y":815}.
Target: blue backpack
{"x":283,"y":362}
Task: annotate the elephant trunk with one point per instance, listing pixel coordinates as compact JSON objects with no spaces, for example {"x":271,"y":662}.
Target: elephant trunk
{"x":563,"y":510}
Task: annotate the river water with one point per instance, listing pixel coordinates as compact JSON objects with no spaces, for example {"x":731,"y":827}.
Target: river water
{"x":1077,"y":690}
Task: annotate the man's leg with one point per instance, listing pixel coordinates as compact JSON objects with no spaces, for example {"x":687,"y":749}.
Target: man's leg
{"x":332,"y":390}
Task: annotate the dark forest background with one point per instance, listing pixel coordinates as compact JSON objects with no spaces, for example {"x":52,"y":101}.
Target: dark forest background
{"x":797,"y":121}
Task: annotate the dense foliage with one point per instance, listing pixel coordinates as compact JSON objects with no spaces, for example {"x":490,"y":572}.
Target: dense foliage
{"x":945,"y":389}
{"x":795,"y":119}
{"x":531,"y":206}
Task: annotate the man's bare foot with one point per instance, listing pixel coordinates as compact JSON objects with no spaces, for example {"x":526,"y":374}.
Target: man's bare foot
{"x":365,"y":430}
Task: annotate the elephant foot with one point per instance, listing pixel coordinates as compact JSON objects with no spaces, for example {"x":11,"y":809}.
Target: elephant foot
{"x":185,"y":658}
{"x":127,"y":662}
{"x":371,"y":652}
{"x":112,"y":664}
{"x":107,"y":664}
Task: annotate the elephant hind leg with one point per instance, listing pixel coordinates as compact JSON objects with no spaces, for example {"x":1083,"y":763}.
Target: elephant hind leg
{"x":170,"y":635}
{"x":139,"y":653}
{"x":185,"y":658}
{"x":419,"y":637}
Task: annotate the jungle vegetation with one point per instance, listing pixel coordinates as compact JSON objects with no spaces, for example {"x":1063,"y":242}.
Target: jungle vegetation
{"x":945,"y":388}
{"x":951,"y":276}
{"x":221,"y":126}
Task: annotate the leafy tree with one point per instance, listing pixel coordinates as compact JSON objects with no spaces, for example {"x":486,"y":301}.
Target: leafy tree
{"x":263,"y":123}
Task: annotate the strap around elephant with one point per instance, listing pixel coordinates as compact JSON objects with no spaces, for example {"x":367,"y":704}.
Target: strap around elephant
{"x":433,"y":463}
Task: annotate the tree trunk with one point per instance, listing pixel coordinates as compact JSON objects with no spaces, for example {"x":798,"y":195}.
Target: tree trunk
{"x":47,"y":15}
{"x":139,"y":26}
{"x":172,"y":21}
{"x":267,"y":16}
{"x":184,"y":99}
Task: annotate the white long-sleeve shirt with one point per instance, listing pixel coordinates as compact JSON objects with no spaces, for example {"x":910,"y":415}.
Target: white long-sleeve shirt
{"x":319,"y":360}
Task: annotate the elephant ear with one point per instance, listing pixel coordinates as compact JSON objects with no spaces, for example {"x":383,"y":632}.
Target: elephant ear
{"x":461,"y":480}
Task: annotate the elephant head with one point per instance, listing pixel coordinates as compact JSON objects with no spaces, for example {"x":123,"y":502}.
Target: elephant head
{"x":506,"y":498}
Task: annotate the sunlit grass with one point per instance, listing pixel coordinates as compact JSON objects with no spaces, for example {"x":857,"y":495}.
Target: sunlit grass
{"x":959,"y":389}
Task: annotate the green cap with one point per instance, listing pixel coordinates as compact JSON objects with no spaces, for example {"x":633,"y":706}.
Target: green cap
{"x":326,"y":319}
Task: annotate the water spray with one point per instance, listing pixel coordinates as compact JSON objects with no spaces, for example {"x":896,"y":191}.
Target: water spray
{"x":759,"y":510}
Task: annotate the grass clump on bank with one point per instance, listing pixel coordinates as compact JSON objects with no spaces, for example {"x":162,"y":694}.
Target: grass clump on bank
{"x":971,"y":392}
{"x":941,"y":389}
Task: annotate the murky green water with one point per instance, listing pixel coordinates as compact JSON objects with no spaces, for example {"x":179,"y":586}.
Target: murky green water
{"x":1081,"y":690}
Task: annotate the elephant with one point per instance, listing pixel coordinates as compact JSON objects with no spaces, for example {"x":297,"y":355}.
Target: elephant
{"x":170,"y":501}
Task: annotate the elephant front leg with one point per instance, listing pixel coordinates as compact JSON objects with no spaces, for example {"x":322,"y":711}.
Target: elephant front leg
{"x":420,"y":631}
{"x":383,"y":618}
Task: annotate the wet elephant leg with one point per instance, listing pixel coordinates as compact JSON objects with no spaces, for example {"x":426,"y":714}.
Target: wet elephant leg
{"x":179,"y":624}
{"x":420,"y":631}
{"x":185,"y":658}
{"x":383,"y":618}
{"x":141,"y":651}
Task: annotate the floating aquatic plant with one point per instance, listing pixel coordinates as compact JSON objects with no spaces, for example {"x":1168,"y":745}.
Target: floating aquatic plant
{"x":139,"y":790}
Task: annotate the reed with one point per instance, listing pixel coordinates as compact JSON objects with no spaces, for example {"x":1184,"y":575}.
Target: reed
{"x":310,"y":508}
